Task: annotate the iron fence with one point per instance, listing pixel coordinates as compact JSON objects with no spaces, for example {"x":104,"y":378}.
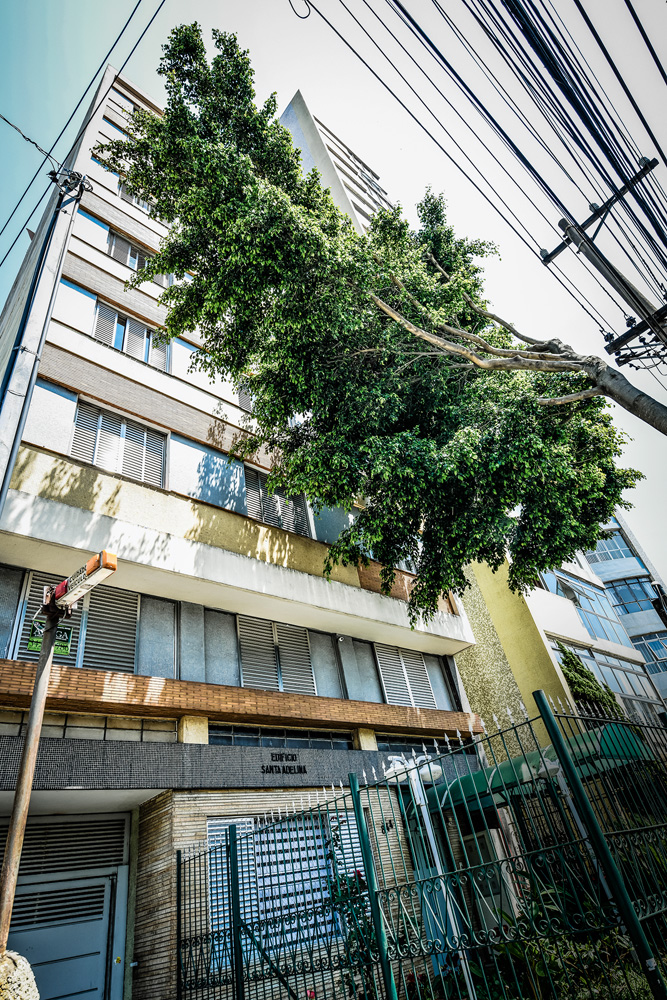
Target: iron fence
{"x":498,"y":869}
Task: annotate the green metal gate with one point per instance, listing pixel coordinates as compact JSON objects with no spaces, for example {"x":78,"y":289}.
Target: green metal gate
{"x":497,"y":869}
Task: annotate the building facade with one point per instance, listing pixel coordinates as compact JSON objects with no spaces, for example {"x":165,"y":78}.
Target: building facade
{"x":218,"y":675}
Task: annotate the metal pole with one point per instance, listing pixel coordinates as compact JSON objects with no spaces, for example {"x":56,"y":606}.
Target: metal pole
{"x":179,"y":933}
{"x":237,"y":950}
{"x":597,"y":839}
{"x":376,"y":916}
{"x":419,"y":797}
{"x":19,"y":817}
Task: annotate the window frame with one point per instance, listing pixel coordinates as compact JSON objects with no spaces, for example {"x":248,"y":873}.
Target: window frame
{"x":123,"y":319}
{"x":612,"y":586}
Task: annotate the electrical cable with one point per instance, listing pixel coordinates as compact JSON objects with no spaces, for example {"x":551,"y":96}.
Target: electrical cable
{"x":65,"y":126}
{"x":421,"y":125}
{"x":89,"y":117}
{"x":47,"y":156}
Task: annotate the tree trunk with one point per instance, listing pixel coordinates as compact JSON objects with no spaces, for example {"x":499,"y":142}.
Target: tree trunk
{"x":615,"y":386}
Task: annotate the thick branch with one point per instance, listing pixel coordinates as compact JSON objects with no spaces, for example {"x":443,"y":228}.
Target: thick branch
{"x":483,"y":312}
{"x":572,"y":397}
{"x":513,"y":363}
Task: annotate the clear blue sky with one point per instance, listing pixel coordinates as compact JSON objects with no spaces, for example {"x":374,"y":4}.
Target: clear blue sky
{"x":49,"y":50}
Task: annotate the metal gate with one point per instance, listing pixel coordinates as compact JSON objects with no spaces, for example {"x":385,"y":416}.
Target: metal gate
{"x":496,"y":870}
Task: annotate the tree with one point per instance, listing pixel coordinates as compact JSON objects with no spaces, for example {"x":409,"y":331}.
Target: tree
{"x":377,"y":372}
{"x":585,"y":686}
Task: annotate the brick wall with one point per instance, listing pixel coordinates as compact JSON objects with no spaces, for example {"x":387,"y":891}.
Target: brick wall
{"x":110,"y":693}
{"x":155,"y":924}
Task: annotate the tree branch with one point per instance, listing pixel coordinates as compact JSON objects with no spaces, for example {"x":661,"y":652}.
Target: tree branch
{"x":513,"y":363}
{"x":483,"y":312}
{"x":573,"y":397}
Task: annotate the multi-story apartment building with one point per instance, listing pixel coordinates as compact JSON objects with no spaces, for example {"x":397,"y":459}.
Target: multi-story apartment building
{"x":577,"y":607}
{"x":218,"y":675}
{"x":636,"y":593}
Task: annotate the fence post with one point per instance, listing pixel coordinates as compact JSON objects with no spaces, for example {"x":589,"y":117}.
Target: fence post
{"x":369,"y":871}
{"x":237,"y":950}
{"x":179,"y":931}
{"x":597,"y":838}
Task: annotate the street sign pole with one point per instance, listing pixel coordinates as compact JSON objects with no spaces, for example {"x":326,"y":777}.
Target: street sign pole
{"x":58,"y":604}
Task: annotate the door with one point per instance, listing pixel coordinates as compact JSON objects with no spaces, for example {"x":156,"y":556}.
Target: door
{"x":63,"y":929}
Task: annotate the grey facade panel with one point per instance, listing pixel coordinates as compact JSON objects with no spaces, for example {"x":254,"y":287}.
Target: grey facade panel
{"x":325,"y":665}
{"x":443,"y":698}
{"x":642,"y":622}
{"x":221,"y":648}
{"x":10,"y":592}
{"x":93,"y":764}
{"x":156,"y":638}
{"x":359,"y":670}
{"x":192,"y":643}
{"x":618,"y":569}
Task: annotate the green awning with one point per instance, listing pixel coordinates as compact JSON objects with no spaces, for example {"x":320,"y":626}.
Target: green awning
{"x":595,"y":752}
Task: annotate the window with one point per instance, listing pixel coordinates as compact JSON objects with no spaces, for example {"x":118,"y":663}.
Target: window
{"x":631,"y":595}
{"x":111,"y":442}
{"x":274,"y":656}
{"x":296,"y":739}
{"x":133,"y":199}
{"x":404,"y":677}
{"x":277,"y":509}
{"x":313,"y":850}
{"x":408,"y":745}
{"x":612,"y":546}
{"x":653,"y":647}
{"x":104,"y":626}
{"x":130,"y":336}
{"x":596,"y":613}
{"x":134,"y":257}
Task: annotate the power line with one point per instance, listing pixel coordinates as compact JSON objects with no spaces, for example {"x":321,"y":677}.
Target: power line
{"x":89,"y":117}
{"x":65,"y":126}
{"x":47,"y":156}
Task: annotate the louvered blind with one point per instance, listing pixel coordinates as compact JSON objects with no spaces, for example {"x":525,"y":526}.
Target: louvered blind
{"x":45,"y":907}
{"x":108,"y":441}
{"x":295,"y":664}
{"x":119,"y":248}
{"x":105,"y":324}
{"x":111,"y":442}
{"x":125,"y":194}
{"x":154,"y":457}
{"x":111,"y":630}
{"x":159,"y":354}
{"x":420,"y":685}
{"x":34,"y":601}
{"x":66,"y":847}
{"x":85,"y":432}
{"x":245,"y":399}
{"x":276,"y":509}
{"x":404,"y":677}
{"x":135,"y":339}
{"x":258,"y":653}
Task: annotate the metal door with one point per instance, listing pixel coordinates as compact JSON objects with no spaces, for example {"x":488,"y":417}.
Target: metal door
{"x":64,"y":930}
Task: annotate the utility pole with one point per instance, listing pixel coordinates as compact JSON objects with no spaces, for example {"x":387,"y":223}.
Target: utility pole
{"x":20,"y":375}
{"x":651,"y":318}
{"x":59,"y":603}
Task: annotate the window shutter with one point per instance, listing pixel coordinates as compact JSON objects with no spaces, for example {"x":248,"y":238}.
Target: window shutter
{"x":33,"y":604}
{"x":258,"y":653}
{"x":135,"y":344}
{"x":154,"y":458}
{"x":245,"y":399}
{"x":295,"y":665}
{"x":111,"y":630}
{"x":133,"y":451}
{"x":393,"y":676}
{"x":420,"y":685}
{"x":105,"y":325}
{"x":159,"y":353}
{"x":270,"y":503}
{"x":108,"y":441}
{"x":125,"y":194}
{"x":119,"y":248}
{"x":161,"y":280}
{"x":298,"y":514}
{"x":253,"y":493}
{"x":85,"y":432}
